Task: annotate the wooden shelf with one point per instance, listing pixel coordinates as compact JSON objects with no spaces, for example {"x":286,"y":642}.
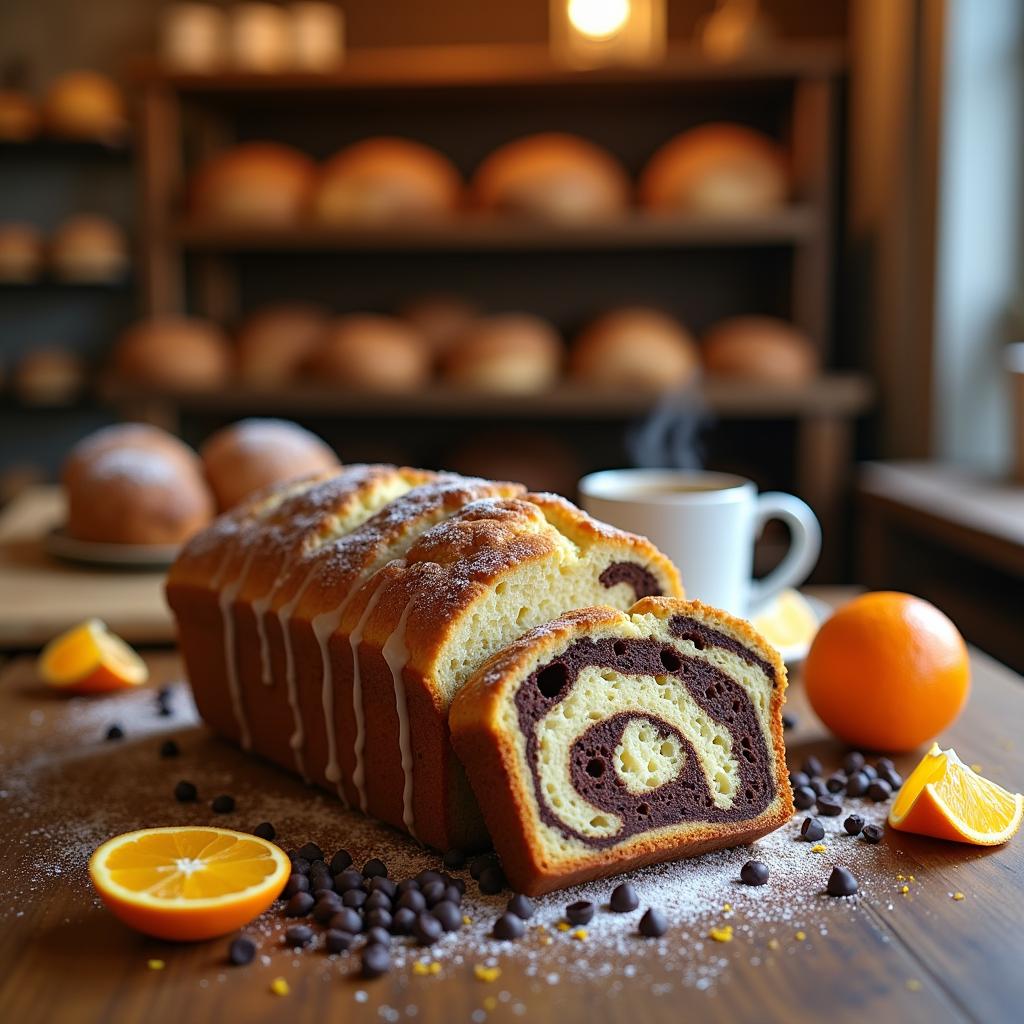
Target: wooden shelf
{"x":51,"y":283}
{"x":833,"y":395}
{"x":64,"y":149}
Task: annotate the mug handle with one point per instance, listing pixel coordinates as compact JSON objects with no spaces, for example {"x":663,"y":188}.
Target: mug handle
{"x":804,"y":547}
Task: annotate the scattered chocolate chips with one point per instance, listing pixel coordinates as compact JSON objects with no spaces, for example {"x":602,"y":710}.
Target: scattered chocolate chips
{"x":449,"y":915}
{"x":326,"y":908}
{"x":424,"y":878}
{"x":581,"y":912}
{"x":378,"y":918}
{"x":377,"y":936}
{"x":653,"y":924}
{"x":427,"y":929}
{"x":354,"y":898}
{"x":295,"y":884}
{"x":492,"y":880}
{"x":383,"y":885}
{"x":414,"y":900}
{"x":812,"y":766}
{"x":522,"y":906}
{"x":408,"y":884}
{"x":870,"y":772}
{"x":853,"y":762}
{"x":812,"y":830}
{"x":888,"y":774}
{"x":480,"y":864}
{"x":241,"y":951}
{"x":114,"y":732}
{"x":841,"y":883}
{"x":830,"y":806}
{"x":264,"y":830}
{"x":854,"y":824}
{"x":377,"y":900}
{"x":300,"y":865}
{"x":376,"y":961}
{"x":788,"y":721}
{"x":223,"y":804}
{"x":346,"y":920}
{"x":819,"y":787}
{"x":798,"y":779}
{"x":402,"y":921}
{"x":754,"y":872}
{"x":872,"y":834}
{"x":311,"y":852}
{"x":804,"y":797}
{"x":836,"y":782}
{"x":348,"y":880}
{"x":169,"y":749}
{"x":433,"y":892}
{"x":623,"y":899}
{"x":857,"y":783}
{"x":879,"y":791}
{"x":341,"y":861}
{"x":453,"y":894}
{"x":374,"y":868}
{"x":508,"y":927}
{"x":299,"y":905}
{"x":453,"y":860}
{"x":337,"y":941}
{"x":298,"y":935}
{"x":185,"y":792}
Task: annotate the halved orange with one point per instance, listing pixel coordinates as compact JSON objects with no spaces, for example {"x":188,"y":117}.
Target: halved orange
{"x":188,"y":883}
{"x":946,"y":799}
{"x":90,"y":659}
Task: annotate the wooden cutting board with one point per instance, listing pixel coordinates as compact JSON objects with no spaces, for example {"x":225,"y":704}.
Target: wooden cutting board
{"x":40,"y":595}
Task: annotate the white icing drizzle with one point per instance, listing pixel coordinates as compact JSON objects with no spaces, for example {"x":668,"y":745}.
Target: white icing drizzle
{"x":226,"y":600}
{"x":325,"y":626}
{"x":284,"y":615}
{"x":355,"y":638}
{"x":396,"y":654}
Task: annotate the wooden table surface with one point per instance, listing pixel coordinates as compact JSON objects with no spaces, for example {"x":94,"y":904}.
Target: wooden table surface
{"x":884,"y":957}
{"x":40,"y":596}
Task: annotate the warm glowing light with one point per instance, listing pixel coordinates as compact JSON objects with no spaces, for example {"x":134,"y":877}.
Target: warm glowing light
{"x":598,"y":19}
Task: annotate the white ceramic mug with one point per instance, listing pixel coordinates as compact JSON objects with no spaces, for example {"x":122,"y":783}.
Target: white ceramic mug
{"x":707,"y":524}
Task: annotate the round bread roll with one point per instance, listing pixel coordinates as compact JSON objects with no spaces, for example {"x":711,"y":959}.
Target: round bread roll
{"x":89,"y":249}
{"x":85,"y":105}
{"x":440,"y":319}
{"x":257,"y":183}
{"x":174,"y":352}
{"x":49,"y":376}
{"x":724,"y":169}
{"x":369,"y":352}
{"x":127,"y":435}
{"x":130,"y":495}
{"x":252,"y":454}
{"x":275,"y":343}
{"x":21,"y":253}
{"x":552,"y":175}
{"x":385,"y":179}
{"x":512,"y":353}
{"x":19,"y":116}
{"x":634,"y":347}
{"x":760,"y":348}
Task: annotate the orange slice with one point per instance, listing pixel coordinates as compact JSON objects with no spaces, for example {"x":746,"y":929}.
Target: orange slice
{"x":787,"y":621}
{"x":946,"y":799}
{"x":90,"y":659}
{"x":188,"y":883}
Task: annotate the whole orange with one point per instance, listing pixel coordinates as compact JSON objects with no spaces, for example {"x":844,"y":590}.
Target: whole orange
{"x":888,"y":671}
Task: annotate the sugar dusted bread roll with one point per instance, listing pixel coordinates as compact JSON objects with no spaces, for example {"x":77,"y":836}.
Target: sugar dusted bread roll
{"x":604,"y":741}
{"x":328,"y":624}
{"x":440,"y":319}
{"x":89,"y":249}
{"x":760,"y":348}
{"x":275,"y":343}
{"x":50,"y":376}
{"x":510,"y":353}
{"x":85,"y":105}
{"x":174,"y":352}
{"x":371,"y":352}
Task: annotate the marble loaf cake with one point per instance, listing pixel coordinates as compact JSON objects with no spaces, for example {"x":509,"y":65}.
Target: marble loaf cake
{"x":328,"y":623}
{"x":604,"y":741}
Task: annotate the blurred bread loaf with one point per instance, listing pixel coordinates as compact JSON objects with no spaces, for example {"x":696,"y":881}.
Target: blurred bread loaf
{"x":252,"y":454}
{"x":552,"y":175}
{"x":89,"y":249}
{"x":174,"y":352}
{"x":21,"y":252}
{"x":85,"y":105}
{"x":440,"y":319}
{"x":126,"y":435}
{"x":759,"y":348}
{"x":275,"y":343}
{"x":257,"y":183}
{"x":371,"y":352}
{"x":720,"y":168}
{"x":385,"y":179}
{"x":19,"y":116}
{"x":634,"y":347}
{"x":511,"y":353}
{"x":49,"y":376}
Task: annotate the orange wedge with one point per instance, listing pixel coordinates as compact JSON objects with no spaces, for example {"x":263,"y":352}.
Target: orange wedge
{"x":188,"y":883}
{"x":90,"y":659}
{"x":946,"y":799}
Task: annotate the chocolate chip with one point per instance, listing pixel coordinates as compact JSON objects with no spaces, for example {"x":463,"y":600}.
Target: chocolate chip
{"x":819,"y":787}
{"x":300,"y":866}
{"x":185,"y":792}
{"x":297,"y":883}
{"x":402,"y":921}
{"x":223,"y":804}
{"x":872,"y":834}
{"x":830,"y":806}
{"x":754,"y":872}
{"x":433,"y":892}
{"x":522,"y":906}
{"x":891,"y":776}
{"x":384,"y":885}
{"x":653,"y":924}
{"x":298,"y":935}
{"x":623,"y":898}
{"x":884,"y":764}
{"x":812,"y":830}
{"x":325,"y":909}
{"x":508,"y":927}
{"x":426,"y":877}
{"x":812,"y":766}
{"x":346,"y":920}
{"x":414,"y":900}
{"x":841,"y":883}
{"x":788,"y":721}
{"x":311,"y":852}
{"x":581,"y":912}
{"x":427,"y":929}
{"x":241,"y":951}
{"x":327,"y":894}
{"x":453,"y":860}
{"x":169,"y":749}
{"x":879,"y":790}
{"x":836,"y":782}
{"x":408,"y":885}
{"x":857,"y":783}
{"x":853,"y":824}
{"x":337,"y":941}
{"x":264,"y":830}
{"x":870,"y":772}
{"x":492,"y":880}
{"x":114,"y":732}
{"x":377,"y":900}
{"x":853,"y":762}
{"x":804,"y":797}
{"x":376,"y":961}
{"x":449,"y":915}
{"x":379,"y":917}
{"x":340,"y":862}
{"x":348,"y":880}
{"x":299,"y":905}
{"x":378,"y":936}
{"x":798,"y":779}
{"x":453,"y":894}
{"x":375,"y":868}
{"x":479,"y":865}
{"x":353,"y":898}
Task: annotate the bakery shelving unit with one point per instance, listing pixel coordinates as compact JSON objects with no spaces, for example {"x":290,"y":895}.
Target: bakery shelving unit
{"x":466,"y":100}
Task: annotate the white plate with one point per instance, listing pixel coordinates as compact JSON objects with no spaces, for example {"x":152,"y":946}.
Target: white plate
{"x":796,"y":653}
{"x":112,"y":556}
